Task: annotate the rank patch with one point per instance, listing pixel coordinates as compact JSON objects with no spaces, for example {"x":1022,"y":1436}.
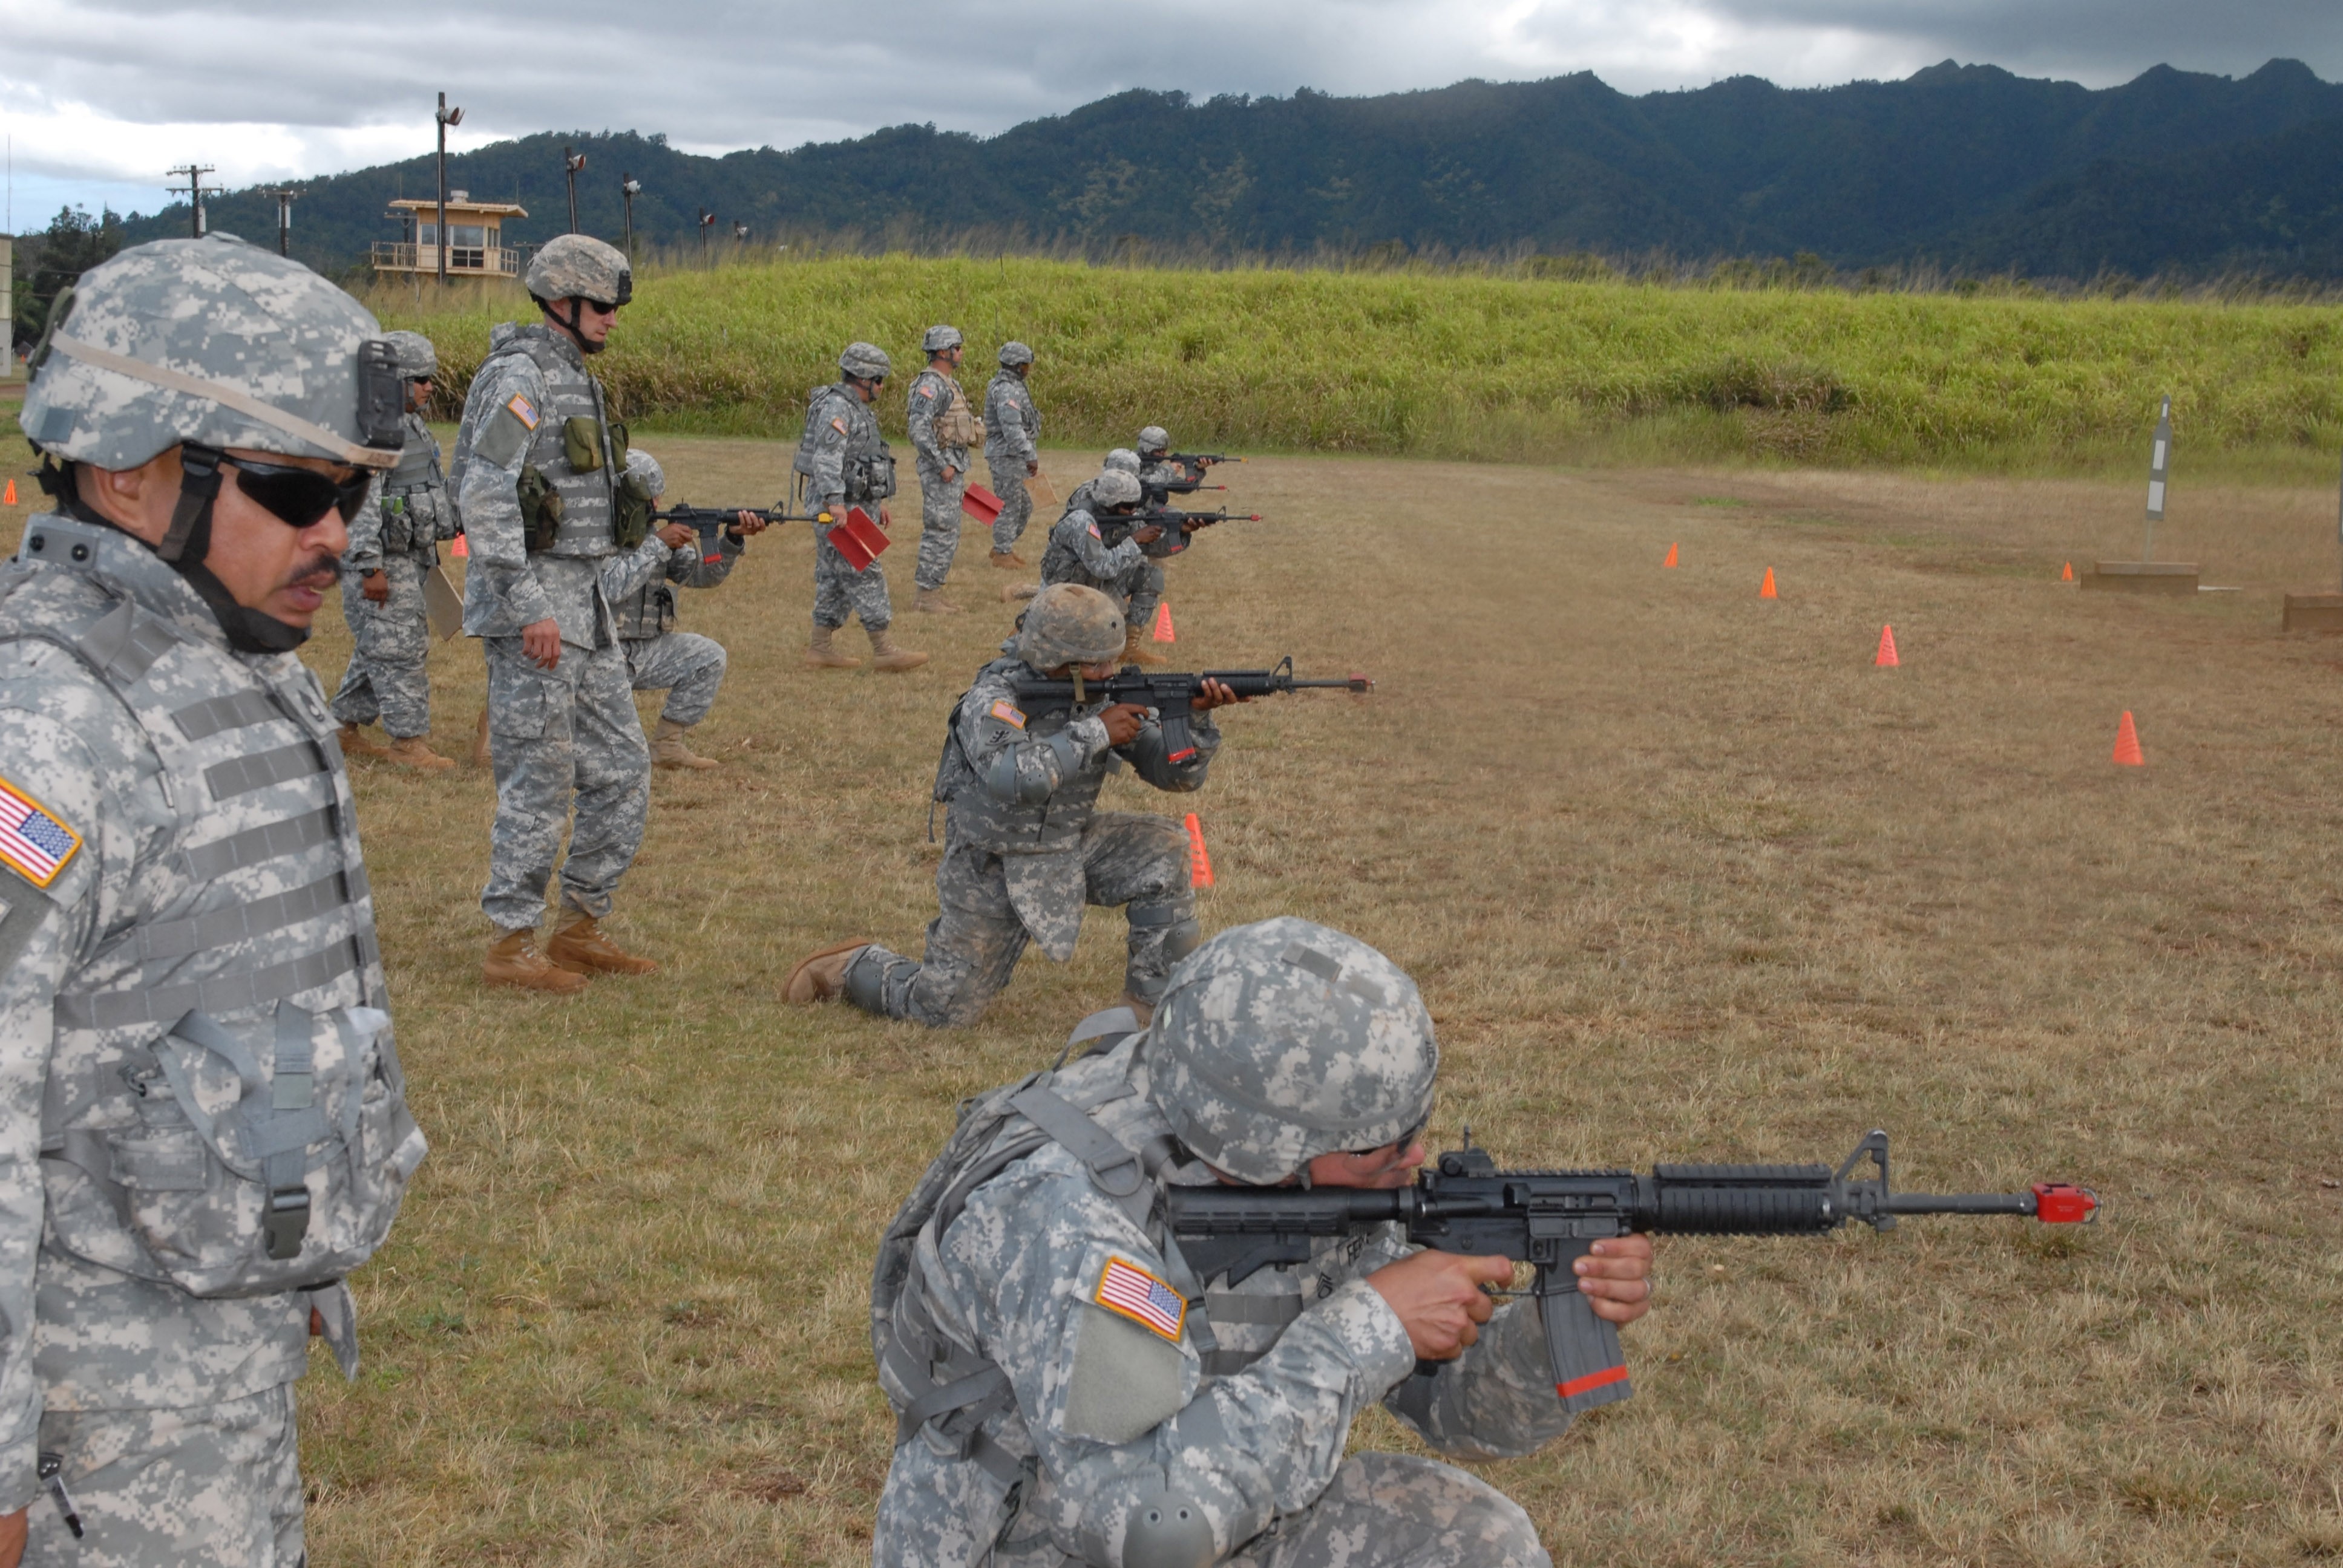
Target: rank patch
{"x":523,"y":410}
{"x":32,"y":843}
{"x":1127,"y":1289}
{"x":1008,"y":712}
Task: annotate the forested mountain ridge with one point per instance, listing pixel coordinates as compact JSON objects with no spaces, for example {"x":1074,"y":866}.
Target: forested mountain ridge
{"x":1965,"y":166}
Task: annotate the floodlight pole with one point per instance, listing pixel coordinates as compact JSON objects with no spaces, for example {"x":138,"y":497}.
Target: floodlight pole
{"x":629,"y":188}
{"x":447,"y":117}
{"x":707,"y":222}
{"x":571,"y":162}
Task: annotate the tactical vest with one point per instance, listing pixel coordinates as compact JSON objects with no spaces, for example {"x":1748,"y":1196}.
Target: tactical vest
{"x":956,"y":424}
{"x":575,"y":446}
{"x":867,"y":470}
{"x":414,"y":506}
{"x":225,"y":1110}
{"x":1052,"y":826}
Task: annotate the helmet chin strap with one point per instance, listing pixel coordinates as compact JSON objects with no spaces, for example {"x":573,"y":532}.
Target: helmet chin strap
{"x":584,"y":344}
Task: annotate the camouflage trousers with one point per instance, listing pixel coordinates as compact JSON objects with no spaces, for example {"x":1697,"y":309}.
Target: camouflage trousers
{"x":560,"y":736}
{"x":213,"y":1486}
{"x":687,"y":667}
{"x":939,"y":524}
{"x":977,"y":937}
{"x":1397,"y":1511}
{"x":838,"y":588}
{"x":390,"y":640}
{"x":1146,"y":586}
{"x":1016,"y":506}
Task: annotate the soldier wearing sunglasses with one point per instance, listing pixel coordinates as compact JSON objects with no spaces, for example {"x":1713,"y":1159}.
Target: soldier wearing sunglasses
{"x":193,"y":1033}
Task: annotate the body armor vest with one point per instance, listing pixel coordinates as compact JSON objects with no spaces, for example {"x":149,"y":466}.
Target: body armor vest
{"x":956,"y":424}
{"x":416,"y":512}
{"x":1050,"y":827}
{"x":225,"y":1110}
{"x":573,"y":446}
{"x":868,"y":469}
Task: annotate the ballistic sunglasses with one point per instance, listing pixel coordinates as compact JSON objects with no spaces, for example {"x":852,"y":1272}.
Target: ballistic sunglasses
{"x":300,"y":496}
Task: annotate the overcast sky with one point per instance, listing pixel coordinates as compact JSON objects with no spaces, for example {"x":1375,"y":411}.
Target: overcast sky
{"x":98,"y":97}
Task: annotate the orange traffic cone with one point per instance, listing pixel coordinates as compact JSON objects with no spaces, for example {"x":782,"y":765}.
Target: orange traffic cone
{"x":459,"y":549}
{"x":2069,"y":575}
{"x":1671,"y":556}
{"x":1163,"y":625}
{"x":2128,"y":744}
{"x":10,"y":499}
{"x":1200,"y":864}
{"x":1886,"y":658}
{"x":1766,"y":589}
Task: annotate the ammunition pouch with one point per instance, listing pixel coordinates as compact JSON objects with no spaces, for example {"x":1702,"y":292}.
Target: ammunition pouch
{"x":397,"y":525}
{"x":872,"y":477}
{"x":581,"y":444}
{"x":541,"y":510}
{"x":631,"y":517}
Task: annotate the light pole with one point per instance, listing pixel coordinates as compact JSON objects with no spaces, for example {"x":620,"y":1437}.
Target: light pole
{"x":447,"y":117}
{"x":739,"y":232}
{"x":707,"y":222}
{"x":571,"y":162}
{"x":284,"y":200}
{"x":629,"y":188}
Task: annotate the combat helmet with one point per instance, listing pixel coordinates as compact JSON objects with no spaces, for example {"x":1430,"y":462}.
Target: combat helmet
{"x":865,"y":361}
{"x":1069,"y":624}
{"x":579,"y":267}
{"x":1014,"y":353}
{"x":1282,"y":1040}
{"x":1114,"y":488}
{"x":1154,"y":440}
{"x":1124,"y":460}
{"x":939,"y":338}
{"x":642,"y":467}
{"x":412,"y":353}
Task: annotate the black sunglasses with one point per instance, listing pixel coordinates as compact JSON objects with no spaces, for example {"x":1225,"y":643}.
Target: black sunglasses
{"x":301,"y":497}
{"x":1402,"y":1142}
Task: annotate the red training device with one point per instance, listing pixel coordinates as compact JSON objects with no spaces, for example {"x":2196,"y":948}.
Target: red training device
{"x":2063,"y":1203}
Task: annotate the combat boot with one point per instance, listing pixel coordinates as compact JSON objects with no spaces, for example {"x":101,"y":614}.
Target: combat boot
{"x":1008,"y":560}
{"x":931,"y":601}
{"x":668,"y":750}
{"x":886,"y":656}
{"x":356,"y":742}
{"x":821,"y":976}
{"x":1014,"y":593}
{"x":413,"y":751}
{"x":514,"y":961}
{"x":481,"y":757}
{"x":580,"y":947}
{"x":821,"y":655}
{"x":1144,"y":1012}
{"x":1135,"y":649}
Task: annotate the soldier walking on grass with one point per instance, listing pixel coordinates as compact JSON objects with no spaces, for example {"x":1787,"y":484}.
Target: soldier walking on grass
{"x":394,"y":546}
{"x":1025,"y":848}
{"x":846,"y":463}
{"x":1013,"y":431}
{"x":207,"y":1123}
{"x":943,"y":428}
{"x":536,"y":466}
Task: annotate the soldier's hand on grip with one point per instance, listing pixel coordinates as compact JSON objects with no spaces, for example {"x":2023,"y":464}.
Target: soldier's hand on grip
{"x":1439,"y":1299}
{"x":1122,"y":721}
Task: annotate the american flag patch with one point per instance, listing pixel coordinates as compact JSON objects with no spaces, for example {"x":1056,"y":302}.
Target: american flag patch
{"x":523,"y":410}
{"x":1008,"y":712}
{"x":838,"y":425}
{"x":32,"y":843}
{"x":1132,"y":1291}
{"x":927,"y":392}
{"x":1094,"y":533}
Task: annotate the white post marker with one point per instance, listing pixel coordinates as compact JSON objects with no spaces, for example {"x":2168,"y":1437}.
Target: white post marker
{"x":2159,"y":469}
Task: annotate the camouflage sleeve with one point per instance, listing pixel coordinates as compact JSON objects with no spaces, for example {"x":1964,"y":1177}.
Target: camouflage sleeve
{"x":1146,"y":753}
{"x":500,"y":418}
{"x":1011,"y":413}
{"x":42,"y":932}
{"x":1079,"y":532}
{"x":688,"y":568}
{"x":1111,"y":1400}
{"x":829,"y":456}
{"x":930,"y":397}
{"x":990,"y":723}
{"x":623,"y":573}
{"x":365,"y":551}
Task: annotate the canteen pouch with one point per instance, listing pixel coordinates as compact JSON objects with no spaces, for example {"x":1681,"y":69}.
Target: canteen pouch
{"x":619,"y":447}
{"x":397,"y":525}
{"x":242,"y":1169}
{"x":581,"y":444}
{"x":541,"y":509}
{"x":631,"y":519}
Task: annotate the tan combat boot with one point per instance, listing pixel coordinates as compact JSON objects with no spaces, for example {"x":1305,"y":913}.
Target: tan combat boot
{"x":580,"y":947}
{"x":481,"y":757}
{"x":931,"y":601}
{"x":668,"y":750}
{"x":1012,"y":593}
{"x":1142,"y":1011}
{"x":514,"y":961}
{"x":821,"y":655}
{"x":413,"y":751}
{"x":356,"y":742}
{"x":1135,"y":649}
{"x":886,"y":656}
{"x":821,"y":976}
{"x":1008,"y":560}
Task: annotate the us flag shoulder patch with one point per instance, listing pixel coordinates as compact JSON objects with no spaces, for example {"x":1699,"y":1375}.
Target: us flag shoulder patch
{"x":1094,"y":533}
{"x":32,"y":842}
{"x":927,"y":392}
{"x":838,"y":425}
{"x":1127,"y":1289}
{"x":1008,"y":712}
{"x":523,"y":410}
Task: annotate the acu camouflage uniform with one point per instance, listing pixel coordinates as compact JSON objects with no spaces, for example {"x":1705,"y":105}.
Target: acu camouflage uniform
{"x":1096,"y":550}
{"x":640,"y":586}
{"x":1012,"y":433}
{"x":569,"y":732}
{"x":1085,"y":1413}
{"x":942,"y":425}
{"x":206,"y":1119}
{"x":846,"y":463}
{"x":1026,"y":850}
{"x":395,"y":534}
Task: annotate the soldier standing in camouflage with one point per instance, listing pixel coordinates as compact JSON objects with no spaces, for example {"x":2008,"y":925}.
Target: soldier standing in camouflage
{"x":1012,"y":433}
{"x":394,"y":545}
{"x":942,"y":427}
{"x":846,"y":463}
{"x":640,"y":586}
{"x":1069,"y":1390}
{"x":535,"y":478}
{"x":1025,"y":848}
{"x":206,"y":1123}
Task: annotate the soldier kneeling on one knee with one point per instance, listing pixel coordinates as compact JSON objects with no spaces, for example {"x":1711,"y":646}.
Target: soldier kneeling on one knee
{"x":1025,"y":848}
{"x":1069,"y":1389}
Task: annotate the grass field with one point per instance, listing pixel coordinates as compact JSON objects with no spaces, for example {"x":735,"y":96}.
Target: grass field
{"x":1472,"y":366}
{"x":1682,"y":876}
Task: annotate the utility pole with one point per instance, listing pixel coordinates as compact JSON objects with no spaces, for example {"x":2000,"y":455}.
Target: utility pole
{"x":629,"y":188}
{"x":196,"y":191}
{"x":446,"y":117}
{"x":284,"y":200}
{"x":707,"y":222}
{"x":571,"y":164}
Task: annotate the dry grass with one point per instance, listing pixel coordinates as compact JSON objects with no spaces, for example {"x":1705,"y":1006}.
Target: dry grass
{"x":1681,"y":874}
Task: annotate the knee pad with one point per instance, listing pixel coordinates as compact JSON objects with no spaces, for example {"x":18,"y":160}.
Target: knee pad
{"x":1182,"y":933}
{"x":1167,"y":1531}
{"x":865,"y":981}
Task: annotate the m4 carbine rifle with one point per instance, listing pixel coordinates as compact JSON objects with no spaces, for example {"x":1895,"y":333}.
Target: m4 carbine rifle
{"x":712,"y":521}
{"x":1172,"y":697}
{"x":1178,"y":526}
{"x":1194,"y":459}
{"x":1464,"y":1205}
